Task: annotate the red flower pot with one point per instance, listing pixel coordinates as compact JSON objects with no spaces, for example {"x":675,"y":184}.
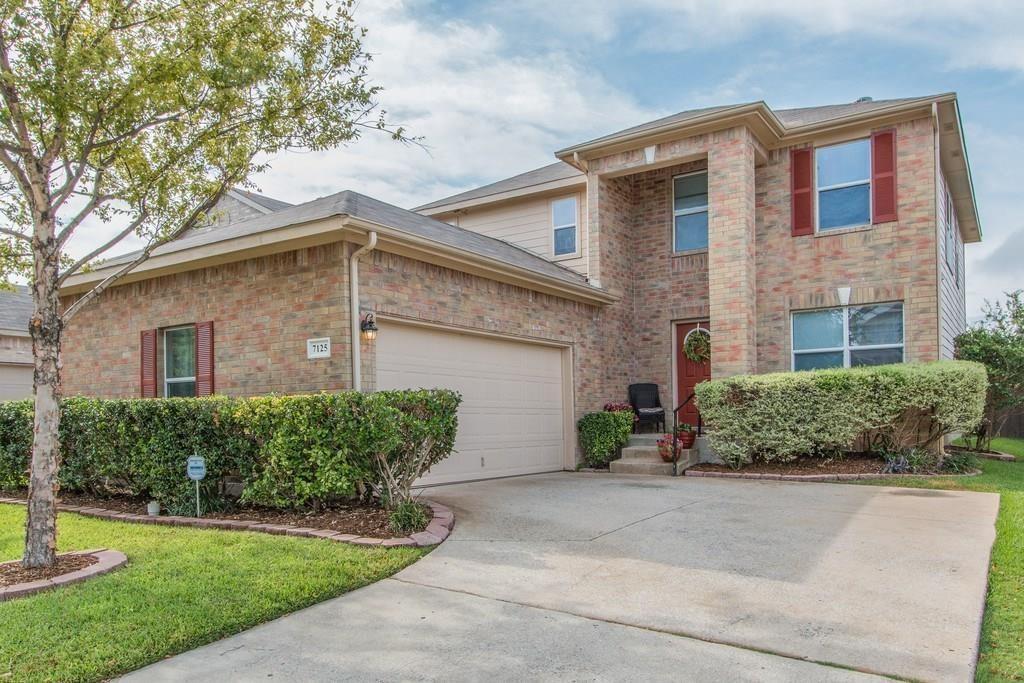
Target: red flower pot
{"x":687,"y":439}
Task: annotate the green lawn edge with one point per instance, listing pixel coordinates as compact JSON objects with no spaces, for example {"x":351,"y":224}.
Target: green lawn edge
{"x":182,"y":588}
{"x":1002,"y":632}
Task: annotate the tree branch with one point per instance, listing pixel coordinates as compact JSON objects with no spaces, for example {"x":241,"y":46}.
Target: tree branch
{"x":73,"y":268}
{"x":95,"y":200}
{"x":144,"y":254}
{"x":15,"y":234}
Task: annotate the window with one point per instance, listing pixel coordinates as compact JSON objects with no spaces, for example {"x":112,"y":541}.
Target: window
{"x":844,"y":185}
{"x":563,"y":222}
{"x":690,"y":212}
{"x":848,"y":337}
{"x":180,"y":361}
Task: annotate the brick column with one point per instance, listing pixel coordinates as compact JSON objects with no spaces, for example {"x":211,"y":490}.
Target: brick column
{"x":731,"y":255}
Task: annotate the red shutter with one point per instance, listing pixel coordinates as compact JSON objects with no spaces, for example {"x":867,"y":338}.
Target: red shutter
{"x":801,"y":162}
{"x":204,"y":358}
{"x":147,"y":355}
{"x":883,"y":176}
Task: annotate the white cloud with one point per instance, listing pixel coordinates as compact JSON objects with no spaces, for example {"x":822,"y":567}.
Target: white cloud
{"x":484,"y":111}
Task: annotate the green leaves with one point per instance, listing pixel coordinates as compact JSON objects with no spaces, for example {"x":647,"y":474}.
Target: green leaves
{"x":288,"y":451}
{"x":602,"y":433}
{"x":782,"y":416}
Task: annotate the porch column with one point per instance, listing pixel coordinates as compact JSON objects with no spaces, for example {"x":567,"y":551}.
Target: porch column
{"x":731,"y":257}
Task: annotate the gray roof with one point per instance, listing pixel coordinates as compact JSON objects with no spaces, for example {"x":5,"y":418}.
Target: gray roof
{"x":268,"y":203}
{"x":538,"y":176}
{"x":15,"y":308}
{"x":803,"y":116}
{"x":789,"y":118}
{"x":356,"y":205}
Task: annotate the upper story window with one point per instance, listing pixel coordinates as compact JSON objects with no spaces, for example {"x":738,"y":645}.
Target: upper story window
{"x":690,"y":211}
{"x":180,"y":361}
{"x":843,"y":175}
{"x":564,"y":225}
{"x":848,"y":336}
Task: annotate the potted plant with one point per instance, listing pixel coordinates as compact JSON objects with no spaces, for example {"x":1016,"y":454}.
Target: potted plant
{"x":665,"y":449}
{"x":686,"y":435}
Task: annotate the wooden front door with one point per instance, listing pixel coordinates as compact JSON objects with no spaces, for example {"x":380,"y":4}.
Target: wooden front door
{"x":688,"y":373}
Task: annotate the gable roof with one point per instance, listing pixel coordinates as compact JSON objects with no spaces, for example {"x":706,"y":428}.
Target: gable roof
{"x":538,"y":176}
{"x":15,"y":309}
{"x":260,"y":202}
{"x":396,"y":224}
{"x":805,"y":116}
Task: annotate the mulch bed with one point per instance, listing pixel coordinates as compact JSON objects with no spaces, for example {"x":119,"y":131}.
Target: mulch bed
{"x":856,"y":464}
{"x":356,"y":518}
{"x":992,"y":455}
{"x":12,"y":573}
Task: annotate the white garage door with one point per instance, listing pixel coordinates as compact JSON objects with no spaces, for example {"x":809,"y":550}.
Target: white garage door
{"x":511,"y":417}
{"x":15,"y":382}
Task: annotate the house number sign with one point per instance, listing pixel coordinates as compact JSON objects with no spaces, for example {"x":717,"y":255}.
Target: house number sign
{"x":318,"y":348}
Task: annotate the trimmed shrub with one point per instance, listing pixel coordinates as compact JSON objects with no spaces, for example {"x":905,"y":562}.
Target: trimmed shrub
{"x":288,"y":451}
{"x":601,"y":434}
{"x":823,"y":413}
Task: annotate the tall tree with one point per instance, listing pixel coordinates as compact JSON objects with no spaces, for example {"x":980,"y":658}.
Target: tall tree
{"x":122,"y":117}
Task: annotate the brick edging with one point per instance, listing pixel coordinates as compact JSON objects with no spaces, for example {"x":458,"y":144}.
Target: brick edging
{"x":812,"y":477}
{"x":437,"y":531}
{"x":108,"y":561}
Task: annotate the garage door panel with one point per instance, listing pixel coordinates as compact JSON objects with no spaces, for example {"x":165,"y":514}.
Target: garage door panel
{"x":511,"y":417}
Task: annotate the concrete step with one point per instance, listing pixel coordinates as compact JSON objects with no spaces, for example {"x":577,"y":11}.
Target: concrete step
{"x":645,"y":460}
{"x":663,"y":469}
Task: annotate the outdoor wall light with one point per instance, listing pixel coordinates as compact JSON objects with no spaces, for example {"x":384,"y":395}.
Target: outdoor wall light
{"x":368,"y":327}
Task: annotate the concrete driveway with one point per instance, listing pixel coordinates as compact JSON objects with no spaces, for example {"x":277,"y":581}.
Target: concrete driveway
{"x":604,"y":577}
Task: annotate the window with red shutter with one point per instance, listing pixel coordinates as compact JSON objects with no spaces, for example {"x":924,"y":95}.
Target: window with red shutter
{"x":883,"y":176}
{"x":801,"y":163}
{"x":204,"y":358}
{"x":147,"y":355}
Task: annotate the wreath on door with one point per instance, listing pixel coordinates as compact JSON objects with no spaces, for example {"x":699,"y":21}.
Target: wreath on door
{"x":697,"y":345}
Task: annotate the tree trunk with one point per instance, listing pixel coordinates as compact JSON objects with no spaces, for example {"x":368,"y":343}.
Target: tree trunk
{"x":46,"y":327}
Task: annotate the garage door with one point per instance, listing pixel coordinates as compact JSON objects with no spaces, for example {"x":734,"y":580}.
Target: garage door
{"x":511,"y":417}
{"x":15,"y":382}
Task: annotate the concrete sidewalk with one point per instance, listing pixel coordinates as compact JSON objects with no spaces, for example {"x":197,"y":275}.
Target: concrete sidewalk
{"x":604,"y":577}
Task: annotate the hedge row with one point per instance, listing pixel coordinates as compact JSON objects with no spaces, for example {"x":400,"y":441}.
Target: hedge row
{"x":825,"y":412}
{"x":287,"y":451}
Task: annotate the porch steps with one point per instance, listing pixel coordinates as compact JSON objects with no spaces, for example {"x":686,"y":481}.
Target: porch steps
{"x":640,"y":456}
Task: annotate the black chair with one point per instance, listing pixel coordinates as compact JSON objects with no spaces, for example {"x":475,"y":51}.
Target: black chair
{"x":647,"y":405}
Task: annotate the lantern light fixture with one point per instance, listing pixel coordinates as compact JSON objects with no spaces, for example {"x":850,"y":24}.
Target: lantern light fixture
{"x":368,"y":327}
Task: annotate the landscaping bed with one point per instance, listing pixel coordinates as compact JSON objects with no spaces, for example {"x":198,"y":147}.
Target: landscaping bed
{"x":857,"y":464}
{"x":13,"y":573}
{"x":356,"y":518}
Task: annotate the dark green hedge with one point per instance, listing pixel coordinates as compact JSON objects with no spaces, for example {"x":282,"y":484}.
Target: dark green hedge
{"x":288,"y":451}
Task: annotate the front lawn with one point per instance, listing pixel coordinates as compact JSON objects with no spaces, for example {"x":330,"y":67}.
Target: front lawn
{"x":182,"y":588}
{"x":1002,"y":634}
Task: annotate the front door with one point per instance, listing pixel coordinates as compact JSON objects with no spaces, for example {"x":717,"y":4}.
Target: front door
{"x":688,"y":372}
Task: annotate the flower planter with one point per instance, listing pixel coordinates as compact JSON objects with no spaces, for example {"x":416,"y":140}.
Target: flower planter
{"x":687,"y":439}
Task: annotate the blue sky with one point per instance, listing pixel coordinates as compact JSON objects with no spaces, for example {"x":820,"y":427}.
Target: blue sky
{"x":495,"y":87}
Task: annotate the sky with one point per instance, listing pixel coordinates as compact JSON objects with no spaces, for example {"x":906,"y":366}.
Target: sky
{"x":494,"y":87}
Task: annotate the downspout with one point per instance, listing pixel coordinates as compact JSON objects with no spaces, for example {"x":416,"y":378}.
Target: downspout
{"x":353,"y":305}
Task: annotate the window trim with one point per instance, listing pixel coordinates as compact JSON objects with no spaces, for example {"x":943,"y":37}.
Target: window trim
{"x":576,"y":225}
{"x":176,"y":380}
{"x":838,"y":186}
{"x":688,"y":212}
{"x":846,"y":348}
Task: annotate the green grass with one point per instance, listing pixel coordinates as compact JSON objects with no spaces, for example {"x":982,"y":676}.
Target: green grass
{"x":181,"y":588}
{"x":1002,"y":634}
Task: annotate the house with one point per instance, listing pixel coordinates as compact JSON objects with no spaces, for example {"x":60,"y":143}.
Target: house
{"x":15,"y":344}
{"x":801,"y":238}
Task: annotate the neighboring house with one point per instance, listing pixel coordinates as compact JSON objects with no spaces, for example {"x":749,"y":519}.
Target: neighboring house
{"x":15,"y":344}
{"x":827,"y":236}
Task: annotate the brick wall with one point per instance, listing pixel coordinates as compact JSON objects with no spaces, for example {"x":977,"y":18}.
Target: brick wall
{"x":886,"y":262}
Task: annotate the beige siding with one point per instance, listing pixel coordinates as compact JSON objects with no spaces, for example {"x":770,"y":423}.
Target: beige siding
{"x":952,"y":291}
{"x":526,"y":223}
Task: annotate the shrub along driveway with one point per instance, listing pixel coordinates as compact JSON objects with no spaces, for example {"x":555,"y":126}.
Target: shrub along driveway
{"x":581,"y":576}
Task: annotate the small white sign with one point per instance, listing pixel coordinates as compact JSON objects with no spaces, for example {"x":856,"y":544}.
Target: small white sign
{"x":318,"y":348}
